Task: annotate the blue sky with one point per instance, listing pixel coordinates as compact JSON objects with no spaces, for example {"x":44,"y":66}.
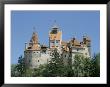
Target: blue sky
{"x":72,"y":23}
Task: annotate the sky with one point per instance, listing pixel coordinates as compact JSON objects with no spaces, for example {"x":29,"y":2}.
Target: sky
{"x":72,"y":23}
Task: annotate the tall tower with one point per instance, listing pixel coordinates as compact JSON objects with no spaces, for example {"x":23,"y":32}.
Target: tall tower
{"x":55,"y":37}
{"x":87,"y":42}
{"x":32,"y":52}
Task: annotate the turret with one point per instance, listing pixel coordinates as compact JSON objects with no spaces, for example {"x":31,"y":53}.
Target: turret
{"x":87,"y":42}
{"x":33,"y":44}
{"x":32,"y":52}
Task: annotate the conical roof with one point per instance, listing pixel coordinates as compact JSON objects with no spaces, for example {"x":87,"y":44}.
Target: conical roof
{"x":34,"y":38}
{"x":33,"y":45}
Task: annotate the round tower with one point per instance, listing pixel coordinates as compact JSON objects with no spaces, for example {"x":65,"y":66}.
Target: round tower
{"x":32,"y":52}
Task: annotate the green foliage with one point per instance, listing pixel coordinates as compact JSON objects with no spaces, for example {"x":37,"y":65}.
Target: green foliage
{"x":18,"y":69}
{"x":39,"y":71}
{"x":21,"y":66}
{"x":81,"y":67}
{"x":86,"y":67}
{"x":55,"y":66}
{"x":35,"y":72}
{"x":14,"y":72}
{"x":97,"y":64}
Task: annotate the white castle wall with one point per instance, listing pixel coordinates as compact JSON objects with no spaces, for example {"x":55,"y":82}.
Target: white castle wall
{"x":82,"y":51}
{"x":28,"y":56}
{"x":35,"y":58}
{"x":32,"y":58}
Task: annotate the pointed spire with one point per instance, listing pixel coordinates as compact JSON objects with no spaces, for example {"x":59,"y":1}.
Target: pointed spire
{"x":74,"y":37}
{"x":55,"y":22}
{"x":34,"y":29}
{"x":85,"y":35}
{"x":55,"y":26}
{"x":34,"y":38}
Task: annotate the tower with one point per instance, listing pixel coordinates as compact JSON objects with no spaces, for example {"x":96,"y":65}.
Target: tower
{"x":32,"y":52}
{"x":87,"y":42}
{"x":55,"y":37}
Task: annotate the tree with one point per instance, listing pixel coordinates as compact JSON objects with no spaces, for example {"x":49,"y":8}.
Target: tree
{"x":81,"y":67}
{"x":14,"y":72}
{"x":85,"y":67}
{"x":97,"y":64}
{"x":39,"y":71}
{"x":78,"y":66}
{"x":21,"y":66}
{"x":88,"y":67}
{"x":55,"y":66}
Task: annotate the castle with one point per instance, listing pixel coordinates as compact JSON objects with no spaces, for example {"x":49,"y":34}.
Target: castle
{"x":36,"y":54}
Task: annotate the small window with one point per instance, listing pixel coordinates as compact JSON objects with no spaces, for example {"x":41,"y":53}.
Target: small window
{"x":52,"y":42}
{"x":57,"y":41}
{"x":85,"y":53}
{"x":38,"y":60}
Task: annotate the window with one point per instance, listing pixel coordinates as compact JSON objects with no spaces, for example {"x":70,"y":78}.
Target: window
{"x":52,"y":42}
{"x":38,"y":60}
{"x":57,"y":41}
